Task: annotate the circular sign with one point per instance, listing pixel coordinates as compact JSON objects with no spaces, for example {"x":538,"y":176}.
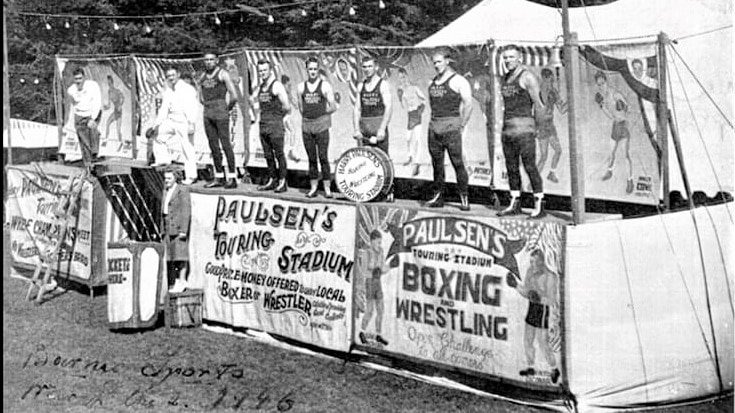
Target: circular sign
{"x":364,"y":173}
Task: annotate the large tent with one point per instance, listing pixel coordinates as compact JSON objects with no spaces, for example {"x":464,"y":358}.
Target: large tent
{"x":702,"y":35}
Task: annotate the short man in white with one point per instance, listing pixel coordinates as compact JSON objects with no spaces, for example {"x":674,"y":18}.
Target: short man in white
{"x":86,"y":107}
{"x":175,"y":122}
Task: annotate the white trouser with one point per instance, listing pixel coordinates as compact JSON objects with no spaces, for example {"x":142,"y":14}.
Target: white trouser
{"x":173,"y":142}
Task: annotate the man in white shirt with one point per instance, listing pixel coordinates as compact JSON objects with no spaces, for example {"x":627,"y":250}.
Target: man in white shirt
{"x":86,"y":107}
{"x":175,"y":122}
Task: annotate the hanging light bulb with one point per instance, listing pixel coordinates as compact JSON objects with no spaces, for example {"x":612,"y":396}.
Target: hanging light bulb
{"x":148,"y":29}
{"x":381,"y":5}
{"x":67,"y":25}
{"x":271,"y":19}
{"x":48,"y":26}
{"x":36,"y":81}
{"x":352,"y":11}
{"x":241,"y":18}
{"x":217,"y":21}
{"x":23,"y":81}
{"x":116,"y":26}
{"x":303,"y":13}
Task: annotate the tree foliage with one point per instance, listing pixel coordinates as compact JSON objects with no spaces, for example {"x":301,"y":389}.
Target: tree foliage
{"x":31,"y":47}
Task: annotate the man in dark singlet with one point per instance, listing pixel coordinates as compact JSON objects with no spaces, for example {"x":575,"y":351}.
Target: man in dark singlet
{"x":218,"y":96}
{"x":273,"y":105}
{"x":450,"y":98}
{"x":520,"y":90}
{"x":540,"y":288}
{"x":316,"y":104}
{"x":373,"y":110}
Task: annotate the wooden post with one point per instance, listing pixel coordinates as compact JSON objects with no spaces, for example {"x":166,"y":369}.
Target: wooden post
{"x":571,"y":63}
{"x":60,"y":115}
{"x":661,"y":118}
{"x":243,"y":97}
{"x":6,"y":89}
{"x":135,"y":107}
{"x":680,"y":158}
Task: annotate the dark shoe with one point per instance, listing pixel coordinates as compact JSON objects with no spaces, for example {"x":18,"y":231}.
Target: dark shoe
{"x":436,"y":202}
{"x":629,"y":187}
{"x":362,"y":338}
{"x":217,"y":183}
{"x":555,"y":375}
{"x":528,"y":372}
{"x":271,"y":184}
{"x":381,"y":340}
{"x":282,"y":187}
{"x":513,"y":209}
{"x":312,"y":193}
{"x":464,"y":202}
{"x":607,"y":175}
{"x":231,"y":184}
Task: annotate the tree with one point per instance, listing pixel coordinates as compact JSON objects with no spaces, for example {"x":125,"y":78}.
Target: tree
{"x":32,"y":47}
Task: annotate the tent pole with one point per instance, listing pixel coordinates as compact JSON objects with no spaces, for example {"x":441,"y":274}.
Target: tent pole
{"x":6,"y":88}
{"x":490,"y":118}
{"x":241,"y":61}
{"x":662,"y":131}
{"x":576,"y":165}
{"x":135,"y":124}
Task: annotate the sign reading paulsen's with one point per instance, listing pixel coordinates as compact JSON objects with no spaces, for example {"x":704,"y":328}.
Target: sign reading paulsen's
{"x":275,"y":266}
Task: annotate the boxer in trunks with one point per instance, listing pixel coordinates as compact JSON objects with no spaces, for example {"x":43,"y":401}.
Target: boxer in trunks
{"x":545,"y":128}
{"x":615,"y":107}
{"x":414,"y":101}
{"x":376,"y":267}
{"x":540,"y":288}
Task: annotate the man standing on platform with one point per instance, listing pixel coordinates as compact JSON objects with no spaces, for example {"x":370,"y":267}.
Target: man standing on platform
{"x":373,"y":110}
{"x":176,"y":209}
{"x":316,"y":104}
{"x":273,"y":105}
{"x":218,"y":96}
{"x":450,"y":98}
{"x":86,"y":108}
{"x":520,"y":90}
{"x":175,"y":122}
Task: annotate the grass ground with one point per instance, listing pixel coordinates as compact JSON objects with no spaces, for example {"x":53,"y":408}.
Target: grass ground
{"x":61,"y":357}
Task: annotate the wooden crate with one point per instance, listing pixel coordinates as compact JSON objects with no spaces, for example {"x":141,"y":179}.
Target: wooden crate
{"x":184,"y":309}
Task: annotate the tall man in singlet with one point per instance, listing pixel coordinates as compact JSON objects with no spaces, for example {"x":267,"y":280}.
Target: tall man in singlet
{"x":373,"y":110}
{"x":273,"y":105}
{"x":316,"y":104}
{"x":520,"y":90}
{"x":450,"y":98}
{"x":218,"y":95}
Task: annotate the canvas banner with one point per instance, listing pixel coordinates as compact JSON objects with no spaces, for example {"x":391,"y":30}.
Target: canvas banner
{"x":407,"y":71}
{"x":34,"y":201}
{"x":151,"y":81}
{"x":115,"y":131}
{"x":481,"y":295}
{"x":274,"y":265}
{"x":615,"y":103}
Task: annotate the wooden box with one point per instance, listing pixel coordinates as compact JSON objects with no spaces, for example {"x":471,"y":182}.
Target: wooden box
{"x":184,"y":309}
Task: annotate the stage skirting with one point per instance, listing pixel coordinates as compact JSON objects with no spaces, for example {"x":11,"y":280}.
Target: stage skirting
{"x":618,"y":317}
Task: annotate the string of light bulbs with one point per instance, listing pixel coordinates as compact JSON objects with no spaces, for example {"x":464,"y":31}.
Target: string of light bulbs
{"x":265,"y":11}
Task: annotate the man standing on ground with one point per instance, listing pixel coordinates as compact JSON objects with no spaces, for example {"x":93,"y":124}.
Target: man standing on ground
{"x":176,"y":209}
{"x":175,"y":122}
{"x":450,"y":98}
{"x":316,"y":104}
{"x":373,"y":110}
{"x":218,"y":96}
{"x":273,"y":105}
{"x":86,"y":108}
{"x":520,"y":90}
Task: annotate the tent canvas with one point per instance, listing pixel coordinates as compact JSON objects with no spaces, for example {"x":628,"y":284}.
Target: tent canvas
{"x":703,"y":34}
